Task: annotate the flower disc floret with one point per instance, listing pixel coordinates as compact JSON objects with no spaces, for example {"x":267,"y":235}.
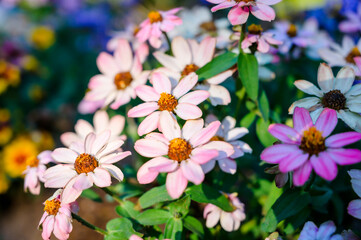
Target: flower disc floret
{"x":52,"y":206}
{"x":32,"y":161}
{"x":255,"y":29}
{"x":154,"y":17}
{"x":179,"y":149}
{"x":167,"y":102}
{"x":85,"y":163}
{"x":334,"y":99}
{"x":217,"y":138}
{"x":123,"y":80}
{"x":189,"y":69}
{"x":292,"y":31}
{"x":312,"y":141}
{"x":355,"y":52}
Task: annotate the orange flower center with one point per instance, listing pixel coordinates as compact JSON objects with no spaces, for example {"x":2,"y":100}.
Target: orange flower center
{"x":255,"y":29}
{"x":179,"y":149}
{"x":217,"y":138}
{"x":292,"y":31}
{"x":85,"y":163}
{"x":312,"y":141}
{"x":21,"y":158}
{"x":167,"y":102}
{"x":154,"y":17}
{"x":334,"y":99}
{"x":209,"y":26}
{"x":123,"y":80}
{"x":246,"y":1}
{"x":32,"y":161}
{"x":52,"y":206}
{"x":135,"y":30}
{"x":189,"y":69}
{"x":352,"y":54}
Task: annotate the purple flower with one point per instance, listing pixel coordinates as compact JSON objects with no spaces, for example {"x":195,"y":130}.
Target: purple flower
{"x":352,"y":23}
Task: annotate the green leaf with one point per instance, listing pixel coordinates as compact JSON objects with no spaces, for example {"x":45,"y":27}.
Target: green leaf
{"x":248,"y":120}
{"x":90,"y":194}
{"x":297,"y":221}
{"x":173,"y":229}
{"x":126,"y":209}
{"x":119,"y":229}
{"x":248,"y":73}
{"x":153,"y":196}
{"x":205,"y":194}
{"x":194,"y":225}
{"x":289,"y":204}
{"x":153,"y":217}
{"x":181,"y":206}
{"x":262,"y":133}
{"x":264,"y":106}
{"x":219,"y":64}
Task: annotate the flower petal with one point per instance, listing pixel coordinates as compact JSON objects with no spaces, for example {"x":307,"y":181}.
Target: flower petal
{"x":295,"y":160}
{"x":323,"y":166}
{"x":238,"y":15}
{"x":188,"y":111}
{"x":326,"y":122}
{"x":202,"y":155}
{"x":64,"y":155}
{"x":263,"y":12}
{"x":192,"y":127}
{"x":301,"y":119}
{"x":147,"y":93}
{"x":161,"y":83}
{"x":195,"y":97}
{"x":114,"y":171}
{"x":342,"y":139}
{"x":192,"y":171}
{"x":143,"y":109}
{"x":301,"y":175}
{"x":307,"y":87}
{"x":205,"y":134}
{"x":344,"y":156}
{"x":354,"y":208}
{"x":101,"y":177}
{"x":344,"y":79}
{"x":284,"y":133}
{"x":325,"y":78}
{"x":169,"y":126}
{"x":150,"y":148}
{"x":276,"y":153}
{"x":149,"y":124}
{"x":176,"y":183}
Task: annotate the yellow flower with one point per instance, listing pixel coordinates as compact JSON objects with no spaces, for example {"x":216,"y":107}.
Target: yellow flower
{"x":6,"y":131}
{"x":42,"y":37}
{"x":287,"y":8}
{"x":30,"y":63}
{"x":16,"y":155}
{"x":9,"y":75}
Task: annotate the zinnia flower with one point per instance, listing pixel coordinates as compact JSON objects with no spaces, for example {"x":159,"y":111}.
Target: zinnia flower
{"x":230,"y":221}
{"x":163,"y":97}
{"x":157,"y":22}
{"x":354,"y":207}
{"x":188,"y":57}
{"x":353,"y":22}
{"x":228,"y":132}
{"x":335,"y":93}
{"x":101,"y":123}
{"x":240,"y":9}
{"x":57,"y":217}
{"x":85,"y":164}
{"x":311,"y":232}
{"x":308,"y":146}
{"x":177,"y":152}
{"x":120,"y":75}
{"x":35,"y":170}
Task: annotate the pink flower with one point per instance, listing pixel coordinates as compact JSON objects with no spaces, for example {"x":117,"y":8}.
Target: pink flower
{"x":353,"y":22}
{"x":240,"y":9}
{"x":188,"y":57}
{"x":121,"y":73}
{"x":227,"y":133}
{"x":310,"y":231}
{"x":358,"y":62}
{"x":163,"y":97}
{"x":57,"y":217}
{"x":157,"y":22}
{"x":308,"y":146}
{"x":101,"y":123}
{"x":85,"y":164}
{"x":87,"y":107}
{"x":186,"y":150}
{"x":354,"y":207}
{"x":230,"y":221}
{"x":35,"y":171}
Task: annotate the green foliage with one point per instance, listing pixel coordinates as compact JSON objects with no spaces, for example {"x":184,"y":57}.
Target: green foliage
{"x":181,"y":206}
{"x":153,"y":217}
{"x":173,"y":229}
{"x":154,"y":196}
{"x":119,"y":229}
{"x":194,"y":225}
{"x":90,"y":194}
{"x":126,"y":209}
{"x":248,"y":73}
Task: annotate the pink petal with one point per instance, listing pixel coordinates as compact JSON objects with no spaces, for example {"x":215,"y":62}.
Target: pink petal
{"x":293,"y":161}
{"x":324,"y":166}
{"x":225,"y":4}
{"x":146,"y":176}
{"x":161,"y":83}
{"x":284,"y":133}
{"x":185,"y":85}
{"x":88,"y":142}
{"x":277,"y":153}
{"x":107,"y":64}
{"x":58,"y":176}
{"x":62,"y":226}
{"x":101,"y":177}
{"x":224,"y":149}
{"x":228,"y":165}
{"x":100,"y":141}
{"x":263,"y":12}
{"x":116,"y":124}
{"x":48,"y":226}
{"x":110,"y":148}
{"x":269,"y":2}
{"x":238,"y":15}
{"x":123,"y":56}
{"x":181,"y":50}
{"x":176,"y":183}
{"x":150,"y":148}
{"x":192,"y":127}
{"x":301,"y":119}
{"x":82,"y":182}
{"x":114,"y":171}
{"x":70,"y":194}
{"x":149,"y":124}
{"x":354,"y":208}
{"x":325,"y":77}
{"x":301,"y":175}
{"x":195,"y":97}
{"x":212,"y":213}
{"x":202,"y":156}
{"x":205,"y":51}
{"x":168,"y":61}
{"x":327,"y":121}
{"x":342,"y":139}
{"x":344,"y":156}
{"x":188,"y":111}
{"x":169,"y":126}
{"x":166,"y":165}
{"x":147,"y":93}
{"x":64,"y":155}
{"x":114,"y":157}
{"x":205,"y":134}
{"x":69,"y":137}
{"x":143,"y":109}
{"x":235,"y":133}
{"x":100,"y":120}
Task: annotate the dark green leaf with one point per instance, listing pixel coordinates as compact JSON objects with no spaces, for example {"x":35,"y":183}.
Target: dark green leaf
{"x":119,"y":229}
{"x":153,"y":217}
{"x":264,"y":106}
{"x":262,"y":133}
{"x":126,"y":209}
{"x":248,"y":73}
{"x":90,"y":194}
{"x":297,"y":221}
{"x":205,"y":194}
{"x":194,"y":225}
{"x":181,"y":206}
{"x":153,"y":196}
{"x":173,"y":229}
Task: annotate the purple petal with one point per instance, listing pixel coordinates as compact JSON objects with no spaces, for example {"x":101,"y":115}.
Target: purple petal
{"x":301,"y":175}
{"x":342,"y":139}
{"x":324,"y":166}
{"x":345,"y":156}
{"x":284,"y":133}
{"x":326,"y":122}
{"x":301,"y":119}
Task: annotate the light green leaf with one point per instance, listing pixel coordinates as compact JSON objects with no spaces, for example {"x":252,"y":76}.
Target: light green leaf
{"x":153,"y":217}
{"x":153,"y":196}
{"x":173,"y":229}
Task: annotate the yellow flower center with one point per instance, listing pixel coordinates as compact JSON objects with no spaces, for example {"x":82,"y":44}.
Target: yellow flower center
{"x":154,"y":17}
{"x":217,"y":138}
{"x":21,"y":158}
{"x":246,"y":1}
{"x":32,"y":161}
{"x":255,"y":29}
{"x":136,"y":30}
{"x":209,"y":26}
{"x":123,"y":80}
{"x":312,"y":141}
{"x":189,"y":69}
{"x":292,"y":31}
{"x":352,"y":54}
{"x":334,"y":99}
{"x":167,"y":102}
{"x":52,"y":206}
{"x":85,"y":163}
{"x":179,"y":149}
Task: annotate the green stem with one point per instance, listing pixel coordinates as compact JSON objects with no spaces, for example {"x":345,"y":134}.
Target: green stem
{"x":112,"y":194}
{"x":169,"y":42}
{"x":243,"y":35}
{"x":310,"y":183}
{"x":89,"y":225}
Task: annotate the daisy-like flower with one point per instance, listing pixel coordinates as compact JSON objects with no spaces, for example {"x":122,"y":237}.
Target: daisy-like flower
{"x":179,"y":153}
{"x":85,"y":164}
{"x":57,"y":217}
{"x":335,"y":93}
{"x":88,"y":107}
{"x":344,"y":55}
{"x":101,"y":123}
{"x":36,"y":166}
{"x":264,"y":59}
{"x":228,"y":132}
{"x":240,"y":9}
{"x":256,"y":39}
{"x":325,"y":232}
{"x":308,"y":146}
{"x":230,"y":221}
{"x":188,"y":57}
{"x":120,"y":75}
{"x":353,"y":22}
{"x":163,"y":97}
{"x":157,"y":22}
{"x":354,"y":207}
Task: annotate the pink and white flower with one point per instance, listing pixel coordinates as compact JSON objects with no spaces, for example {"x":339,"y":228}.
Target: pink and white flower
{"x":308,"y":146}
{"x":336,"y":93}
{"x":163,"y":97}
{"x":230,"y":221}
{"x":353,"y":22}
{"x":240,"y":9}
{"x":188,"y":57}
{"x":35,"y":171}
{"x":57,"y":217}
{"x":178,"y":152}
{"x":121,"y":74}
{"x":229,"y":133}
{"x":87,"y":107}
{"x":101,"y":123}
{"x":325,"y":232}
{"x":354,"y":207}
{"x":157,"y":22}
{"x":85,"y":164}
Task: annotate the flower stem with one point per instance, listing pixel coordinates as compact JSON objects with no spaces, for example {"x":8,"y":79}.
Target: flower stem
{"x":89,"y":225}
{"x":112,"y":194}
